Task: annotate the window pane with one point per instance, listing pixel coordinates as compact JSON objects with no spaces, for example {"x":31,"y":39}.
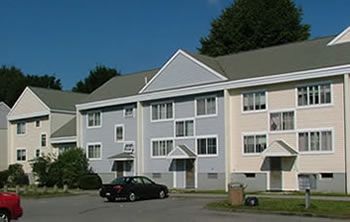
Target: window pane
{"x":275,"y":121}
{"x":200,"y":107}
{"x":262,"y":100}
{"x":303,"y":141}
{"x":325,"y":93}
{"x":163,"y":111}
{"x":326,"y":140}
{"x":154,"y":112}
{"x":249,"y":144}
{"x":202,"y":146}
{"x":245,"y":102}
{"x":155,"y":148}
{"x":119,"y":133}
{"x":288,"y":120}
{"x":189,"y":128}
{"x":180,"y":129}
{"x":260,"y":143}
{"x":97,"y":119}
{"x":169,"y":110}
{"x":315,"y":141}
{"x":211,"y":145}
{"x":302,"y":96}
{"x":43,"y":140}
{"x":211,"y":106}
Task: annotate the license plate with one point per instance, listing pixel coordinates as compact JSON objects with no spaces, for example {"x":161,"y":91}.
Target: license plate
{"x":108,"y":194}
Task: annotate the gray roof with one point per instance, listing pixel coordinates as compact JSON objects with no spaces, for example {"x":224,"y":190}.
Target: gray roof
{"x":67,"y":130}
{"x":292,"y":57}
{"x":58,"y":100}
{"x":122,"y":156}
{"x":121,"y":86}
{"x":4,"y":110}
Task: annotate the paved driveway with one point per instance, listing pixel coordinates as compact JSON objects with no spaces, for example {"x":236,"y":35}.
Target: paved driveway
{"x":92,"y":208}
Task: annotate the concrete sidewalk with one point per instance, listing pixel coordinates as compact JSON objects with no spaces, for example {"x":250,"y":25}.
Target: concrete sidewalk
{"x":279,"y":196}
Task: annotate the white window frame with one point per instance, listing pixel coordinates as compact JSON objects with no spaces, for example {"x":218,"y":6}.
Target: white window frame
{"x":206,"y":115}
{"x":133,"y":111}
{"x":319,"y":152}
{"x":160,"y":103}
{"x":314,"y":105}
{"x":46,"y":139}
{"x":281,"y":111}
{"x":129,"y":142}
{"x":87,"y":119}
{"x":94,"y":144}
{"x":157,"y":140}
{"x":254,"y":92}
{"x":25,"y":129}
{"x":207,"y":137}
{"x":115,"y":133}
{"x":184,"y":120}
{"x":258,"y":133}
{"x":26,"y":155}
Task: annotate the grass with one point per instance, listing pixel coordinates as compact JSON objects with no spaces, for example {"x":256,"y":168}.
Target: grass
{"x":319,"y":208}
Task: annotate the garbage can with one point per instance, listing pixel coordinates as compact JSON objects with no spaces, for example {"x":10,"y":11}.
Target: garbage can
{"x":236,"y":194}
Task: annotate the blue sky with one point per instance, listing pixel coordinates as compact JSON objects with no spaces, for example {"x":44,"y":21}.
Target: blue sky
{"x":70,"y":37}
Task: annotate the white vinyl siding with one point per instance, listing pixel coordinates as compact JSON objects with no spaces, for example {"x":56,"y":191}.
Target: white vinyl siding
{"x":281,"y":121}
{"x":94,"y":151}
{"x":21,"y":128}
{"x":162,"y":111}
{"x":315,"y":141}
{"x":207,"y":146}
{"x":206,"y":106}
{"x":314,"y":95}
{"x":254,"y":143}
{"x":161,"y":148}
{"x":184,"y":128}
{"x":94,"y":119}
{"x":254,"y":101}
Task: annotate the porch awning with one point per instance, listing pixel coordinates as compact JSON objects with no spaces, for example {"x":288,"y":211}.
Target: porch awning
{"x":122,"y":157}
{"x":181,"y":152}
{"x":279,"y":148}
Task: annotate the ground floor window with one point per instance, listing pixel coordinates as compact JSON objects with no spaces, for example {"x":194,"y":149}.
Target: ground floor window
{"x":94,"y":151}
{"x":254,"y":143}
{"x":315,"y":141}
{"x":21,"y":154}
{"x":207,"y":146}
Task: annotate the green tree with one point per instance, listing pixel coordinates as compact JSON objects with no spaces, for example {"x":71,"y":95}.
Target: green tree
{"x":44,"y":81}
{"x":253,"y":24}
{"x":98,"y":76}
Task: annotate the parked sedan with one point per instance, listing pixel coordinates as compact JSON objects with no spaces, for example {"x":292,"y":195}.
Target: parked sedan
{"x":133,"y":188}
{"x":10,"y":207}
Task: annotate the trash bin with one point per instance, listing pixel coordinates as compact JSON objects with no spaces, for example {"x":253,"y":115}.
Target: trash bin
{"x":236,"y":194}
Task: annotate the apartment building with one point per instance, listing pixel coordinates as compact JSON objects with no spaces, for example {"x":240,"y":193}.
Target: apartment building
{"x":4,"y":110}
{"x":37,"y":116}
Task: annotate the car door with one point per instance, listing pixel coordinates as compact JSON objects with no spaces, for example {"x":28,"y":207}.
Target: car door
{"x":138,"y":187}
{"x":151,"y":189}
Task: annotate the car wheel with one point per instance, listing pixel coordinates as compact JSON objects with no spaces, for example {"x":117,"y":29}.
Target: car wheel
{"x":4,"y":216}
{"x":110,"y":199}
{"x":162,"y":194}
{"x":132,"y":197}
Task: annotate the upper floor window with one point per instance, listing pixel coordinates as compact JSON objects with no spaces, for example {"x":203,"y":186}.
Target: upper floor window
{"x":184,"y":128}
{"x":37,"y":123}
{"x":162,"y":111}
{"x":161,"y":148}
{"x":206,"y":106}
{"x":254,"y":143}
{"x":207,"y":146}
{"x":129,"y":111}
{"x":315,"y":141}
{"x":254,"y":101}
{"x":314,"y":95}
{"x":119,"y":133}
{"x":94,"y":151}
{"x":21,"y":128}
{"x":21,"y":154}
{"x":94,"y":119}
{"x":281,"y":121}
{"x":43,"y":140}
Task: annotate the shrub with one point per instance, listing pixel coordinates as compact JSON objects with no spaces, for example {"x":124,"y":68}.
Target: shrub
{"x":16,"y":175}
{"x":3,"y":178}
{"x":90,"y":182}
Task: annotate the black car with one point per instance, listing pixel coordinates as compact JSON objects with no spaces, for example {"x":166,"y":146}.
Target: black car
{"x":132,"y":188}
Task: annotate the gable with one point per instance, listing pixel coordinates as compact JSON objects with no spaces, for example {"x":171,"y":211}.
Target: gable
{"x":4,"y":110}
{"x":279,"y":148}
{"x":28,"y":105}
{"x":182,"y":70}
{"x":341,"y":38}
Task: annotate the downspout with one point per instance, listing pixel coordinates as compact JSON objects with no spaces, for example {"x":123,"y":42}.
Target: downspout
{"x":227,"y":115}
{"x":139,"y":146}
{"x":347,"y":133}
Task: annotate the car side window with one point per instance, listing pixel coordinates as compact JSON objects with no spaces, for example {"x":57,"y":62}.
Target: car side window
{"x":147,"y":181}
{"x":137,"y":181}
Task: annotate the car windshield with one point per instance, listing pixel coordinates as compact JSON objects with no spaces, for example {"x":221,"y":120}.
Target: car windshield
{"x":121,"y":180}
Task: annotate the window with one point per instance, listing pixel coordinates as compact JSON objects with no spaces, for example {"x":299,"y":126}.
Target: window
{"x":213,"y":176}
{"x":249,"y":175}
{"x":254,"y":101}
{"x":94,"y":151}
{"x":37,"y":153}
{"x":315,"y":141}
{"x":156,"y":175}
{"x":94,"y":119}
{"x":21,"y":155}
{"x":206,"y":106}
{"x":326,"y":175}
{"x":184,"y":128}
{"x":282,"y":121}
{"x":63,"y":149}
{"x":129,"y":112}
{"x":254,"y":143}
{"x":207,"y":146}
{"x":21,"y":128}
{"x":162,"y":111}
{"x":37,"y":123}
{"x":161,"y":148}
{"x":119,"y":133}
{"x":129,"y":147}
{"x":314,"y":95}
{"x":43,"y":140}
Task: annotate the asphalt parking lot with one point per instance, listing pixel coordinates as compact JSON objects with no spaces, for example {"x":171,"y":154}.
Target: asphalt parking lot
{"x":85,"y":208}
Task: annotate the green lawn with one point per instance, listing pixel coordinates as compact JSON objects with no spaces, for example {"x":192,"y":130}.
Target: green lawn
{"x":320,"y":208}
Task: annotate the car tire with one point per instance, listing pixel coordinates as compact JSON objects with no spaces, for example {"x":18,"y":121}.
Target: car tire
{"x":111,"y":199}
{"x":162,"y":194}
{"x":4,"y":216}
{"x":132,"y":197}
